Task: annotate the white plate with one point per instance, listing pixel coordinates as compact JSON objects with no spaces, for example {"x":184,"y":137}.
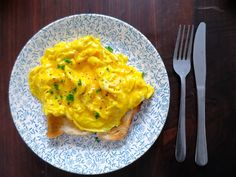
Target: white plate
{"x":84,"y":155}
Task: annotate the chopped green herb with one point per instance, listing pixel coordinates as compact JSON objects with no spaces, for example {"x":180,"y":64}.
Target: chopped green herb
{"x":61,"y":96}
{"x":108,"y":70}
{"x":79,"y":82}
{"x":67,"y":60}
{"x":109,"y":48}
{"x":97,"y":139}
{"x":70,"y":97}
{"x":98,"y":90}
{"x":56,"y":86}
{"x":56,"y":97}
{"x":74,"y":90}
{"x":50,"y":91}
{"x":143,"y":74}
{"x":97,"y":115}
{"x":61,"y":67}
{"x":62,"y":81}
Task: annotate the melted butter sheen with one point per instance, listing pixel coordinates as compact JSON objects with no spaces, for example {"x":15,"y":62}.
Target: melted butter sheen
{"x":88,"y":84}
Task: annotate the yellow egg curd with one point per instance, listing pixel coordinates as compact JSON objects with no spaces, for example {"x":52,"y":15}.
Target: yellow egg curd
{"x":88,"y":84}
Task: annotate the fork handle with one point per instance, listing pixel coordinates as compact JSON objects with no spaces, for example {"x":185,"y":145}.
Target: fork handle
{"x":180,"y":149}
{"x":201,"y":156}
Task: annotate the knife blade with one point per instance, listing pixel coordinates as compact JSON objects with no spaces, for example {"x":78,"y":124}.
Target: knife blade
{"x":199,"y":64}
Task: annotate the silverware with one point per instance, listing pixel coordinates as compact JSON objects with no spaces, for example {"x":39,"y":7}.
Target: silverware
{"x":182,"y":66}
{"x":199,"y":64}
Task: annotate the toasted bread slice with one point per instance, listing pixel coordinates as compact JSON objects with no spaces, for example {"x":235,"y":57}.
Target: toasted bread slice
{"x":59,"y":125}
{"x":120,"y":132}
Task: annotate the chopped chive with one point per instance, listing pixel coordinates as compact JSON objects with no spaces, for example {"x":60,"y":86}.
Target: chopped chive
{"x":79,"y":82}
{"x":98,"y":90}
{"x":56,"y":97}
{"x":50,"y":91}
{"x":109,"y":48}
{"x":61,"y":96}
{"x":74,"y":90}
{"x":56,"y":86}
{"x":61,"y":67}
{"x":62,"y":81}
{"x":70,"y":97}
{"x":108,"y":70}
{"x":97,"y":139}
{"x":143,"y":74}
{"x":67,"y":60}
{"x":97,"y":115}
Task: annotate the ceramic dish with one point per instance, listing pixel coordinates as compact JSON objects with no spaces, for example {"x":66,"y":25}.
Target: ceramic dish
{"x":84,"y":155}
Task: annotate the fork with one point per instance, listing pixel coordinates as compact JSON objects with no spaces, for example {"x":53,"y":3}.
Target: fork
{"x":182,"y":66}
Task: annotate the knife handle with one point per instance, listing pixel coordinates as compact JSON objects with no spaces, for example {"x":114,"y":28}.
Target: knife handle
{"x":180,"y":149}
{"x":201,"y":156}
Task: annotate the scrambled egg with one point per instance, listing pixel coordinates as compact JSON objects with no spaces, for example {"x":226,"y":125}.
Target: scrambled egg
{"x":87,"y":83}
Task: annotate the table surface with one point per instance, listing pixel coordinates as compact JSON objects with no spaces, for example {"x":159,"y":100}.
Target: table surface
{"x":158,"y":20}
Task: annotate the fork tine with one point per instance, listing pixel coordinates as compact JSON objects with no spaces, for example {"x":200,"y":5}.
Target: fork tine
{"x":177,"y":43}
{"x":186,"y":44}
{"x":190,"y":43}
{"x":181,"y":44}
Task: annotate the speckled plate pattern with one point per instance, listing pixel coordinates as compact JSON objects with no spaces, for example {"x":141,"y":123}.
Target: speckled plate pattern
{"x":84,"y":155}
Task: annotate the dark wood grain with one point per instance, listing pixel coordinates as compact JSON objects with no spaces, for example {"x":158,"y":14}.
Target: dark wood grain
{"x":158,"y":20}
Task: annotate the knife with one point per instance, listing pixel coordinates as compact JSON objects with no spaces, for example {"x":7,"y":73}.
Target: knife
{"x":199,"y":64}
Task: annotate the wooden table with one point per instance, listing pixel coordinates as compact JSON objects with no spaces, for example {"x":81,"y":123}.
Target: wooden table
{"x":158,"y":20}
